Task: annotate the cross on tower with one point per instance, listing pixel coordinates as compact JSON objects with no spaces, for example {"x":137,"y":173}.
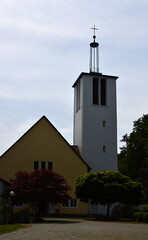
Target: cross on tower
{"x":94,"y":28}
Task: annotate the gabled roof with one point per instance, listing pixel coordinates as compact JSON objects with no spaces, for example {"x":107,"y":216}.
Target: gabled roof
{"x":5,"y":182}
{"x":74,"y":148}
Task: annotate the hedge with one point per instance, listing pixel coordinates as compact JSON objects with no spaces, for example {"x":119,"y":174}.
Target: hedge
{"x":141,"y":217}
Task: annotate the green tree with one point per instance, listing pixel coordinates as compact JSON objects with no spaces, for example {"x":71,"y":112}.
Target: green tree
{"x":143,"y":178}
{"x":134,"y":154}
{"x":107,"y":187}
{"x":39,"y":188}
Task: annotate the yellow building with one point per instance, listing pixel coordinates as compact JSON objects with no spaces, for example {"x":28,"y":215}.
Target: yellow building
{"x":42,"y":146}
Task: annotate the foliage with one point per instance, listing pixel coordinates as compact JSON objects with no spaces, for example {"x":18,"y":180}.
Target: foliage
{"x":145,"y":217}
{"x":145,"y":208}
{"x":138,"y":216}
{"x":3,"y":211}
{"x":107,"y":187}
{"x":123,"y":211}
{"x":39,"y":187}
{"x":9,"y":228}
{"x":134,"y":155}
{"x":141,"y":217}
{"x":143,"y":178}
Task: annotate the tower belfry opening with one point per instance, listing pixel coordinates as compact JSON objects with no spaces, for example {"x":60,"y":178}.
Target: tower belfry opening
{"x":94,"y":54}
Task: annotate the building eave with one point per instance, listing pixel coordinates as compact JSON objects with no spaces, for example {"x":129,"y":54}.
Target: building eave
{"x":94,"y":74}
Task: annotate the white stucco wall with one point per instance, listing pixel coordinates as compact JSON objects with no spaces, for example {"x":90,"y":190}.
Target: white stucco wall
{"x":89,"y":133}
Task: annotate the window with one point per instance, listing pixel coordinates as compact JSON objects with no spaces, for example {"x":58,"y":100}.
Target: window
{"x":71,"y":203}
{"x":104,"y":123}
{"x":65,"y":205}
{"x":43,"y":164}
{"x":19,"y":205}
{"x":104,"y":148}
{"x":78,"y":96}
{"x":103,"y":91}
{"x":95,"y":91}
{"x":99,"y":91}
{"x":36,"y":164}
{"x":49,"y":165}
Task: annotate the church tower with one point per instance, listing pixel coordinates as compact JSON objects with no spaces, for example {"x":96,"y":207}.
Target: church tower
{"x":95,"y":120}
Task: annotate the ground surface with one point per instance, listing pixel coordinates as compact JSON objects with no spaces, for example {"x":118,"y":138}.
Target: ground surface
{"x":79,"y":229}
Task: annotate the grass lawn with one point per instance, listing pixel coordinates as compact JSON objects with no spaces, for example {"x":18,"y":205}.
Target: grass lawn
{"x":6,"y":228}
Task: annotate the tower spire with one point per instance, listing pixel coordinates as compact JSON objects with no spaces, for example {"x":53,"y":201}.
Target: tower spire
{"x":94,"y":54}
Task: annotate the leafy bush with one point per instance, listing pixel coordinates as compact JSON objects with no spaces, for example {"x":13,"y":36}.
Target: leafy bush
{"x":145,"y":208}
{"x":3,"y":211}
{"x":140,"y":216}
{"x":135,"y":216}
{"x":145,"y":217}
{"x":123,"y":211}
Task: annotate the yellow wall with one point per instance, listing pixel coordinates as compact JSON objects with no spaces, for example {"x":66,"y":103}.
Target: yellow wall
{"x":82,"y":208}
{"x":44,"y":143}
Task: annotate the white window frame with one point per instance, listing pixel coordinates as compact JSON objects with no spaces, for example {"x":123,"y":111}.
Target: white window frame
{"x":72,"y":203}
{"x":19,"y":205}
{"x":40,"y":164}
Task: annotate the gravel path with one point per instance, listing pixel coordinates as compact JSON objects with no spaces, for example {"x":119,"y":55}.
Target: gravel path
{"x":75,"y":229}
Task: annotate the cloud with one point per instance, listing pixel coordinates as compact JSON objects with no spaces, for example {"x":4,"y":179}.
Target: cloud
{"x":23,"y":127}
{"x":44,"y":46}
{"x":67,"y":133}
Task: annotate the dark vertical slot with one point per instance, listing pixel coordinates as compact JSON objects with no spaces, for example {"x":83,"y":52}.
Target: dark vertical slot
{"x":103,"y":91}
{"x":95,"y":91}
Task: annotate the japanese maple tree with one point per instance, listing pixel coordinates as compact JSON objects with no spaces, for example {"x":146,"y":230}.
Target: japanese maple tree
{"x":39,"y":187}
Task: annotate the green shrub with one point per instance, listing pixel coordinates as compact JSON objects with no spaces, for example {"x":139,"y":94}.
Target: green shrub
{"x":145,"y":208}
{"x":3,"y":211}
{"x":140,"y":216}
{"x":135,"y":216}
{"x":123,"y":211}
{"x":145,"y":217}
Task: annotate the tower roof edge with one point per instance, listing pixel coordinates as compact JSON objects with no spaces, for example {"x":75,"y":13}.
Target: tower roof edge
{"x":94,"y":74}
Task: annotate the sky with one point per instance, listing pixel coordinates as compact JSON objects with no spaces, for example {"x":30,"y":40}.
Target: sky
{"x":44,"y":46}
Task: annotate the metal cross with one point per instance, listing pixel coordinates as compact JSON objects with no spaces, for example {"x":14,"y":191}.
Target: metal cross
{"x":94,"y":28}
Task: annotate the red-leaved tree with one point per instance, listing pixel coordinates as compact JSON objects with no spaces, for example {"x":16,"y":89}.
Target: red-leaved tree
{"x":39,"y":188}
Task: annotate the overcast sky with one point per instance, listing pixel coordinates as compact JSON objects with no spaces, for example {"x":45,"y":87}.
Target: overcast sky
{"x":44,"y":46}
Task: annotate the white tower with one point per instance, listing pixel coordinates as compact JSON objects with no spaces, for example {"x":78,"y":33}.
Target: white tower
{"x":95,"y":123}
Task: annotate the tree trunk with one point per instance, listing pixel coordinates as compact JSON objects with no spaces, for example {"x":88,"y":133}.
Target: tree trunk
{"x":35,"y":209}
{"x":37,"y":213}
{"x":108,"y":206}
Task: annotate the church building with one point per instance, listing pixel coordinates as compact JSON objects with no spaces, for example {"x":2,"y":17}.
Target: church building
{"x":94,"y":138}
